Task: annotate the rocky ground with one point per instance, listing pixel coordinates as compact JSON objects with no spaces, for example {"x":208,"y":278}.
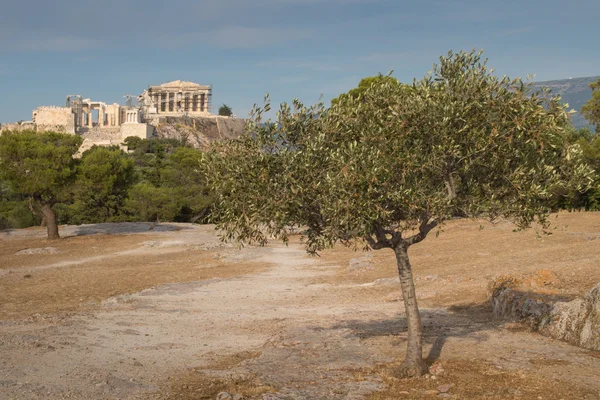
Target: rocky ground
{"x":142,"y":311}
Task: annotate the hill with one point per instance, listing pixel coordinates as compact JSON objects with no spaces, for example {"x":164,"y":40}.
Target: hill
{"x":574,"y":91}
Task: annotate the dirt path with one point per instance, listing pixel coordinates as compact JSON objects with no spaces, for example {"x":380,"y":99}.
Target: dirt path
{"x":274,"y":323}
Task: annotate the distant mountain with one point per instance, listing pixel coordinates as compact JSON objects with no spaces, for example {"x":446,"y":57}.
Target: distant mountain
{"x":574,"y":91}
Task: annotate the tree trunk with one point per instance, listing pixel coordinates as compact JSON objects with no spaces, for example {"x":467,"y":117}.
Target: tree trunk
{"x":413,"y":364}
{"x":50,"y":217}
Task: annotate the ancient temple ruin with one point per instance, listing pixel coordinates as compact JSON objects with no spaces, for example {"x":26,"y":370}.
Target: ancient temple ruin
{"x":84,"y":116}
{"x":176,"y":98}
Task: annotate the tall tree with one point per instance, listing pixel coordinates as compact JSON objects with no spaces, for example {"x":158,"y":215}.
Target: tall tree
{"x":591,"y":109}
{"x":383,"y":169}
{"x":40,"y":166}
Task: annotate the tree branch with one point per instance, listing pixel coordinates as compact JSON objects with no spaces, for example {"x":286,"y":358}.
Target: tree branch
{"x":380,"y":234}
{"x":450,"y":186}
{"x":424,"y":229}
{"x":373,"y":244}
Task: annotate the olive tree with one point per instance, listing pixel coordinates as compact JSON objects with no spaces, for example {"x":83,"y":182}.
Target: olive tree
{"x":40,"y":166}
{"x":383,"y":169}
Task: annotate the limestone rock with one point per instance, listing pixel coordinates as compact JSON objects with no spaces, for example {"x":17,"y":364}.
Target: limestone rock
{"x":576,"y":321}
{"x":198,"y":131}
{"x":362,"y":263}
{"x":42,"y":250}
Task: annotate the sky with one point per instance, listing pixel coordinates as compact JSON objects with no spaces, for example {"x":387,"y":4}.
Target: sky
{"x":312,"y":50}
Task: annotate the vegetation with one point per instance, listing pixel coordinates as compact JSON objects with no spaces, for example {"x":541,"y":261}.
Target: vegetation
{"x":590,"y":146}
{"x":40,"y":167}
{"x":389,"y":163}
{"x":41,"y":182}
{"x":225,"y":111}
{"x":364,"y":85}
{"x":591,"y":109}
{"x":104,"y":177}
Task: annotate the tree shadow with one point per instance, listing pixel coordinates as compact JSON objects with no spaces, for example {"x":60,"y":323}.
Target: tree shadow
{"x":118,"y":228}
{"x":7,"y":231}
{"x":469,"y":320}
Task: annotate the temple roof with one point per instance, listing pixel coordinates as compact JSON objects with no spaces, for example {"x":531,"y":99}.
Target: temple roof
{"x":182,"y":84}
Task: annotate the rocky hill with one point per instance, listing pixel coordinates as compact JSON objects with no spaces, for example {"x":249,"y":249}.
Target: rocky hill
{"x":199,"y":131}
{"x":574,"y":91}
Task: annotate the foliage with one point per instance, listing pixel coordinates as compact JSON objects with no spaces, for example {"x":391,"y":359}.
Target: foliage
{"x":153,"y":145}
{"x":41,"y":167}
{"x":460,"y":141}
{"x":183,"y":175}
{"x":590,"y":146}
{"x":15,"y":212}
{"x":385,"y":167}
{"x":225,"y":111}
{"x":100,"y":186}
{"x":150,"y":156}
{"x":150,"y":203}
{"x":591,"y":109}
{"x":38,"y":165}
{"x":364,"y":85}
{"x":104,"y":177}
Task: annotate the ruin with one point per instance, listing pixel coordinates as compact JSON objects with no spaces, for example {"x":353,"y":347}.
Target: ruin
{"x":176,"y":98}
{"x":177,"y":110}
{"x":99,"y":120}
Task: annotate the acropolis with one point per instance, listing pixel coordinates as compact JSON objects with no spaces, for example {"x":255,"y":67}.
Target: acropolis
{"x":84,"y":116}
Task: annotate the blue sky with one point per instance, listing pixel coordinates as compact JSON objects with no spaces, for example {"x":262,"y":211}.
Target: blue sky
{"x":308,"y":49}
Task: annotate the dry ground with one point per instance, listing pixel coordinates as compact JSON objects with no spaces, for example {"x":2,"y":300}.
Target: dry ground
{"x":168,"y":312}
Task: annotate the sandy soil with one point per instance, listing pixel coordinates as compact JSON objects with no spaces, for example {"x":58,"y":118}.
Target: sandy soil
{"x":136,"y":311}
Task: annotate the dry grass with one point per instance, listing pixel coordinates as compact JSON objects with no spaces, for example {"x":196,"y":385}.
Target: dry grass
{"x":83,"y":286}
{"x":465,"y":255}
{"x":473,"y":379}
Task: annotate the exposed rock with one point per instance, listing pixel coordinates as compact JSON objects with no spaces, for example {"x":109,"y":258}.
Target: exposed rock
{"x":224,"y":396}
{"x":198,"y":131}
{"x":362,"y":263}
{"x":436,"y":369}
{"x":444,"y":388}
{"x":576,"y":321}
{"x":43,"y":250}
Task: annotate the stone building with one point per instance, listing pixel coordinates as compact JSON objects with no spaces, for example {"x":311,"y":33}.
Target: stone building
{"x":176,"y":98}
{"x":110,"y":123}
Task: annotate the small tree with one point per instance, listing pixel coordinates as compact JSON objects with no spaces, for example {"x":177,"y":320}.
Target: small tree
{"x":225,"y":111}
{"x":40,"y":166}
{"x":381,"y":170}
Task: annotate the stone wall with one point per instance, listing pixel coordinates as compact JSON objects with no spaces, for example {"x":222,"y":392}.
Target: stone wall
{"x":576,"y":321}
{"x":56,"y":119}
{"x":16,"y":127}
{"x":143,"y":131}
